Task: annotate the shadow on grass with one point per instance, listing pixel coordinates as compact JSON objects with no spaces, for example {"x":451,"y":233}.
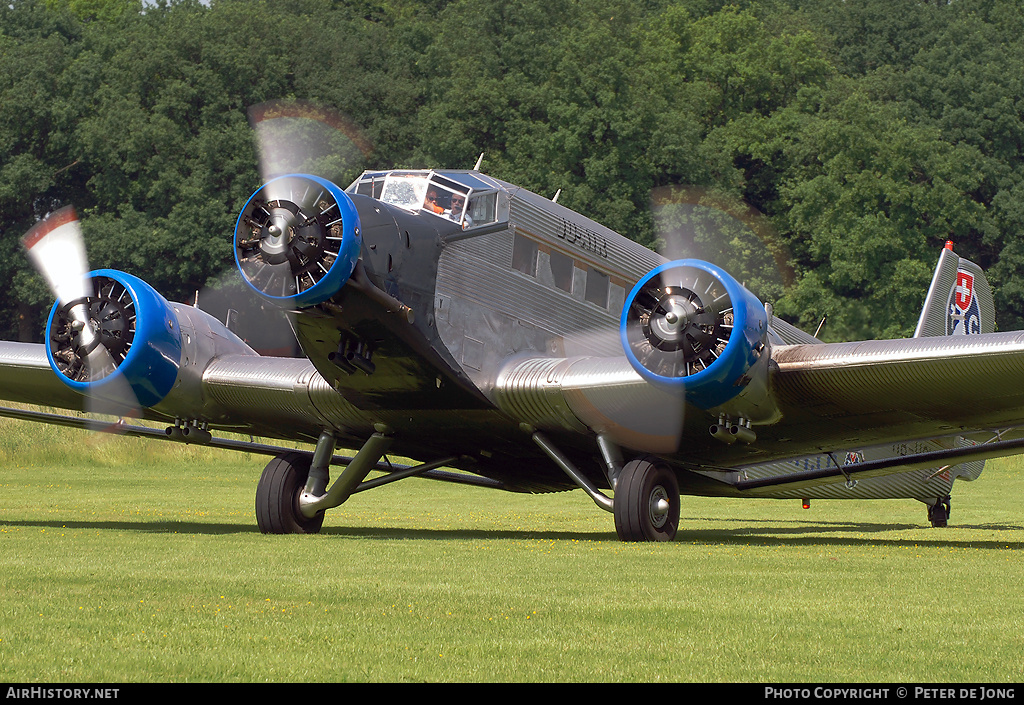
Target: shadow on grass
{"x":845,"y":533}
{"x":145,"y":527}
{"x":750,"y":533}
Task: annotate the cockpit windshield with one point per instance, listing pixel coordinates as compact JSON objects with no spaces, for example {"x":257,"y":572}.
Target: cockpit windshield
{"x":466,"y":198}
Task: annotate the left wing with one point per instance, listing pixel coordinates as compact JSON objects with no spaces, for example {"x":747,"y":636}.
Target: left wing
{"x":26,"y":377}
{"x":936,"y":385}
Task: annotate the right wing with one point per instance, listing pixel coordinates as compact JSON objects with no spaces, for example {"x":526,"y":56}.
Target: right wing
{"x":264,"y":396}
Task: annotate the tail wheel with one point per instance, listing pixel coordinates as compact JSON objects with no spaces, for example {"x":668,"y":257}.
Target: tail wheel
{"x":646,"y":505}
{"x":277,"y":497}
{"x":938,"y":513}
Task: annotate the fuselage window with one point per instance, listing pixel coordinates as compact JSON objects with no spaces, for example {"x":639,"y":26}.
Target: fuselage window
{"x":481,"y":209}
{"x":562,"y":270}
{"x":597,"y":288}
{"x":524,"y":255}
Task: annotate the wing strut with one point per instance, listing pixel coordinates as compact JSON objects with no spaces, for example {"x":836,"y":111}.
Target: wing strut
{"x":393,"y":471}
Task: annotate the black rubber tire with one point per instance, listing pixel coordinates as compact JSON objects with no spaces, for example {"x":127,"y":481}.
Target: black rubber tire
{"x":641,"y":483}
{"x":277,"y":497}
{"x":938,"y":513}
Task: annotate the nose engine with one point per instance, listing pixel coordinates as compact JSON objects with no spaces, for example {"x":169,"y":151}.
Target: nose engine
{"x":297,"y":240}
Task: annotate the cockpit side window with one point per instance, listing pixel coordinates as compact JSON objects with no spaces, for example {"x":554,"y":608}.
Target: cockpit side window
{"x":446,"y":199}
{"x":436,"y":200}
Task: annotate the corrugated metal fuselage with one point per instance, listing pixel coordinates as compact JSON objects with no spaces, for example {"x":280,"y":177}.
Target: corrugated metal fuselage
{"x":548,"y":283}
{"x":430,"y":378}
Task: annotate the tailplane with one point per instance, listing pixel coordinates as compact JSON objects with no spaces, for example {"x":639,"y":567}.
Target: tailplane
{"x":959,"y":301}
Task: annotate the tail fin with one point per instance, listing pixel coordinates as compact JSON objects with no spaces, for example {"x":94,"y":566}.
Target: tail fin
{"x":959,"y":301}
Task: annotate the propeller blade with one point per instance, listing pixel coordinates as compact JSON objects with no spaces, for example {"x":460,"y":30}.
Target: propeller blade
{"x":56,"y":249}
{"x":301,"y":137}
{"x":696,"y":223}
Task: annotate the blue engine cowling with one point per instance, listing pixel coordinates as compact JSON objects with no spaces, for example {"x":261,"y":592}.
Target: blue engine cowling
{"x":689,"y":326}
{"x":123,"y":332}
{"x":297,"y":240}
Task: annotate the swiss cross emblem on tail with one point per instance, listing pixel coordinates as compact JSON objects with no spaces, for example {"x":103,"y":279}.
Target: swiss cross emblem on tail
{"x":964,"y":317}
{"x":964,"y":290}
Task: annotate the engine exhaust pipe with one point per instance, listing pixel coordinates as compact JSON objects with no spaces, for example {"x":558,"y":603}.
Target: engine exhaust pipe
{"x":721,"y":432}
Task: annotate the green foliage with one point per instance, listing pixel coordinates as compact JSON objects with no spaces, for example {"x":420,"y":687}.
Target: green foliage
{"x":866,"y":199}
{"x":96,"y":10}
{"x":865,"y":133}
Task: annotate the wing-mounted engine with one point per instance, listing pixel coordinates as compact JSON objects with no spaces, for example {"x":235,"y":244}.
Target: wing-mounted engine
{"x":121,"y":331}
{"x":689,"y":326}
{"x":297,"y":240}
{"x":125,"y":347}
{"x":692,"y":336}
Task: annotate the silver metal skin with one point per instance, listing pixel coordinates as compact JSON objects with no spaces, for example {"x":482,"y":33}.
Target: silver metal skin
{"x":601,"y":394}
{"x":203,"y":340}
{"x":952,"y":383}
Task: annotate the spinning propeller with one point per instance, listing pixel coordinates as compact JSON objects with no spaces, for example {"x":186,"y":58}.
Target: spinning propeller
{"x":690,"y":327}
{"x":297,"y":238}
{"x":287,"y":235}
{"x":690,"y":324}
{"x":93,"y":323}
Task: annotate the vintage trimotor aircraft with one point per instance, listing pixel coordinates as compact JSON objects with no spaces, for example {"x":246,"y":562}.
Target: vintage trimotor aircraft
{"x":456,"y":319}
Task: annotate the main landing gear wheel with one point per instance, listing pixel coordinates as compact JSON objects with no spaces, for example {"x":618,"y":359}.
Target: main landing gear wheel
{"x":646,"y":504}
{"x":277,"y":497}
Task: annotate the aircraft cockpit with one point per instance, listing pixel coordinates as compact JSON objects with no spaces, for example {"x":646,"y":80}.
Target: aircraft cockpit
{"x":464,"y":197}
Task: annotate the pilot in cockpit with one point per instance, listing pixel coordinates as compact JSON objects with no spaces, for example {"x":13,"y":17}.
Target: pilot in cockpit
{"x":431,"y":203}
{"x":458,"y":207}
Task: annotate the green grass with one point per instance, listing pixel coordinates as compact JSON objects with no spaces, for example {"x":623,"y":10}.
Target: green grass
{"x":125,"y":561}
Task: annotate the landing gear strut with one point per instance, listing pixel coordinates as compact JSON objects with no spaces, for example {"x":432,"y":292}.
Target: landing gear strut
{"x":938,"y":513}
{"x":646,"y":501}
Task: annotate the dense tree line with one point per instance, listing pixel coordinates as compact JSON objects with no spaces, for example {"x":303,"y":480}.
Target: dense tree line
{"x":862,"y":134}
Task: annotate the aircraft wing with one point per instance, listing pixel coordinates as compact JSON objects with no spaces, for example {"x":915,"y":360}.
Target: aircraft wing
{"x":828,"y":395}
{"x":937,"y":384}
{"x":26,"y":377}
{"x":266,"y":396}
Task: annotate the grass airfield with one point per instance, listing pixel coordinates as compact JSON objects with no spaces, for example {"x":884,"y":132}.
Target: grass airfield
{"x":130,"y":561}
